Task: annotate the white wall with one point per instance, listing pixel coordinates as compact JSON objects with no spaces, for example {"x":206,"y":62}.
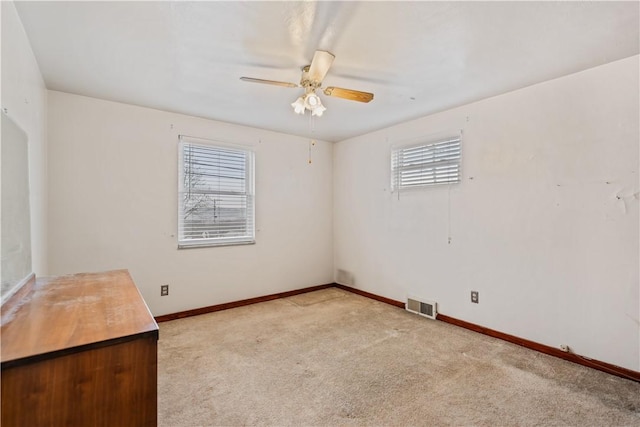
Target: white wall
{"x":544,"y":223}
{"x":113,"y":204}
{"x":25,"y":97}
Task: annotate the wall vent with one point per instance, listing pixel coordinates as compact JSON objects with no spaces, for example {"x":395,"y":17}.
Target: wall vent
{"x":422,"y":307}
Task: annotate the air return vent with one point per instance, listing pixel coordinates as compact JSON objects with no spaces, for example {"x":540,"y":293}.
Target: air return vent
{"x":422,"y":307}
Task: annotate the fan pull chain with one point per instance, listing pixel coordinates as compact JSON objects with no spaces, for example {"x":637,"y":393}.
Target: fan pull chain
{"x":312,"y":123}
{"x":311,"y":144}
{"x":312,"y":129}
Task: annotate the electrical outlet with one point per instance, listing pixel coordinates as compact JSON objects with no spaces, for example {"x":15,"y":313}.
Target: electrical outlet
{"x":164,"y":290}
{"x":475,"y":297}
{"x":565,"y":348}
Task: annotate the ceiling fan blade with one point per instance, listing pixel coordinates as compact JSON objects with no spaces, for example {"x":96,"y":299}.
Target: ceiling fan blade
{"x":268,"y":82}
{"x":350,"y":94}
{"x":320,"y":65}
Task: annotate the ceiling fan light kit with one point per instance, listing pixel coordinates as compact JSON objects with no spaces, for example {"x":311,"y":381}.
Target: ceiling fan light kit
{"x":298,"y":106}
{"x":309,"y":101}
{"x":312,"y":76}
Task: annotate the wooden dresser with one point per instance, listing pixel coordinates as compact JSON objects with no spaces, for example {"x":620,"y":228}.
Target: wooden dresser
{"x":79,"y":350}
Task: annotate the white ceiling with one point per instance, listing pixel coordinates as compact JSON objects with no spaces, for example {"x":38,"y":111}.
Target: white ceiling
{"x":417,"y":57}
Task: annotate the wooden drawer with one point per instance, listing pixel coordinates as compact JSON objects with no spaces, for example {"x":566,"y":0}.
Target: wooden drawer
{"x":79,"y":350}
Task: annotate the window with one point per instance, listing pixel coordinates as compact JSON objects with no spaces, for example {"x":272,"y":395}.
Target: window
{"x":215,"y":195}
{"x":426,"y":164}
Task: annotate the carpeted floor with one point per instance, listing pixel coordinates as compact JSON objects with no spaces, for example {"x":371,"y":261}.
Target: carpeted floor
{"x":330,"y":358}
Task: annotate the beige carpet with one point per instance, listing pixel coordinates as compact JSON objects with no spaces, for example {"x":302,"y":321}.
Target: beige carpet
{"x":332,"y":358}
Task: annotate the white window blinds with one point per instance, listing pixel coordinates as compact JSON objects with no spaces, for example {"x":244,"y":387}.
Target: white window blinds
{"x":215,"y":195}
{"x":426,"y":164}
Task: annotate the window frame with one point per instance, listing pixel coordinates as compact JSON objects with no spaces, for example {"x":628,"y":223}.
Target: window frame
{"x":249,"y":180}
{"x":425,"y":145}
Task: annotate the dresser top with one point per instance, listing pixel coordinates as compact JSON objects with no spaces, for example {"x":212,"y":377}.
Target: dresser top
{"x":64,"y":313}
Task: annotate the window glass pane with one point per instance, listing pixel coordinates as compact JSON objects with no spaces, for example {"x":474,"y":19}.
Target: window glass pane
{"x":215,"y":195}
{"x":426,"y":164}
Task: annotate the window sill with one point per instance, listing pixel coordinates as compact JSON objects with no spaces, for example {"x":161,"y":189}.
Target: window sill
{"x":213,"y":245}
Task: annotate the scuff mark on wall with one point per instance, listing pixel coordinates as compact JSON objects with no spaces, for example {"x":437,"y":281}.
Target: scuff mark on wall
{"x":625,"y":198}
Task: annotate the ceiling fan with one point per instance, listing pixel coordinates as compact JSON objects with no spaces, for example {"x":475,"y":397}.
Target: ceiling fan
{"x":311,"y":80}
